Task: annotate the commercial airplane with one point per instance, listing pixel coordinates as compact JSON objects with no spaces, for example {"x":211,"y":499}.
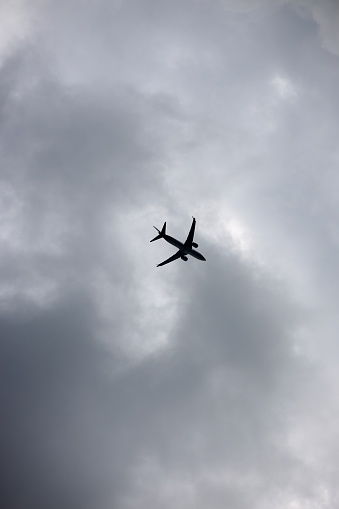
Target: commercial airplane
{"x":185,"y":248}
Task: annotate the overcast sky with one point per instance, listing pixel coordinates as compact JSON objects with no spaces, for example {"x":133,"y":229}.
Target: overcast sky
{"x":194,"y":385}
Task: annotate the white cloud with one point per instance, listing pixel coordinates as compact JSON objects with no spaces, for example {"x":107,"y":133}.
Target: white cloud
{"x":283,"y":87}
{"x":17,"y":24}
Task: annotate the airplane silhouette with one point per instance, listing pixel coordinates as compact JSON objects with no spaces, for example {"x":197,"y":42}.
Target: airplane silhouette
{"x":185,"y":248}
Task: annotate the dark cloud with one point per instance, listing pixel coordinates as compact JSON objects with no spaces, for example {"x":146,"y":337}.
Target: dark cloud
{"x":75,"y":426}
{"x":52,"y":408}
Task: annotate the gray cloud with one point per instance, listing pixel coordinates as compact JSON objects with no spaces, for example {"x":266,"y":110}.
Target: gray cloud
{"x":326,"y":14}
{"x":192,"y":385}
{"x":52,"y":411}
{"x":75,"y":432}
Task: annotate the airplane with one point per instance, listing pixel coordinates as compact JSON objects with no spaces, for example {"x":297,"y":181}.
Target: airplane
{"x":185,"y":248}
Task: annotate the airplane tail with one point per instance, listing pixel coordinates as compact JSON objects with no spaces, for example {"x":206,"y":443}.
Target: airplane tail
{"x":161,"y":233}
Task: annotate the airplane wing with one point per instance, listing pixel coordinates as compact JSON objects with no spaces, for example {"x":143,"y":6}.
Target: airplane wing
{"x":171,"y":258}
{"x":190,"y":236}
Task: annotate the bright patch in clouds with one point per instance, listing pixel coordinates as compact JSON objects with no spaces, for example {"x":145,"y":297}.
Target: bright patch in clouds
{"x":283,"y":87}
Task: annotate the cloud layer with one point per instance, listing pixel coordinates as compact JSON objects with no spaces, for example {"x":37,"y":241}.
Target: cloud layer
{"x":193,"y":385}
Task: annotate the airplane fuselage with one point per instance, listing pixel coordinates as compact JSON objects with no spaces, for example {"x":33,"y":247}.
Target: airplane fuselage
{"x":183,"y":248}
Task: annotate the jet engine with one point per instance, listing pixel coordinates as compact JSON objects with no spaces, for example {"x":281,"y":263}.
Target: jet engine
{"x":184,"y":258}
{"x":194,"y":244}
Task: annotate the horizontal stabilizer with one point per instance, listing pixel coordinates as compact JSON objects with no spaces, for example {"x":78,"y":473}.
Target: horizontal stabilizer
{"x":156,"y":238}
